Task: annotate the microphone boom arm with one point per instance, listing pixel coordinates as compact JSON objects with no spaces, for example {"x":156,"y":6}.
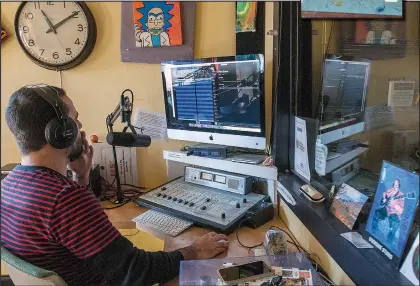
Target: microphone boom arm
{"x":124,"y":108}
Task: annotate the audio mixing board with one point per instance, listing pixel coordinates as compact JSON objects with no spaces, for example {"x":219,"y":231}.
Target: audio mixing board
{"x":200,"y":204}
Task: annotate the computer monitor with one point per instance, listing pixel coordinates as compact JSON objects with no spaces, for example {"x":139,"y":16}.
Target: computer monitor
{"x":216,"y":100}
{"x":343,"y":98}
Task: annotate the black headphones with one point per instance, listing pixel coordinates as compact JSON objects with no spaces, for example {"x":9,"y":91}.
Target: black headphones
{"x":60,"y":132}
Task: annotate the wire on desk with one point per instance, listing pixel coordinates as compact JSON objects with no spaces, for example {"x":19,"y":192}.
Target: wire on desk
{"x":237,"y":237}
{"x":120,"y":205}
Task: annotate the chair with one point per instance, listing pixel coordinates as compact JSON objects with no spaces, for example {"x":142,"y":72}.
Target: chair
{"x":25,"y":273}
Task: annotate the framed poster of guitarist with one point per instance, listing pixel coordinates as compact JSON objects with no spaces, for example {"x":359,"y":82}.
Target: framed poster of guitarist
{"x":393,"y":210}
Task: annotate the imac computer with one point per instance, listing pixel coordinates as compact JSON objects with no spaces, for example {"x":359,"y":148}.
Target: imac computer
{"x":216,"y":100}
{"x":343,"y":98}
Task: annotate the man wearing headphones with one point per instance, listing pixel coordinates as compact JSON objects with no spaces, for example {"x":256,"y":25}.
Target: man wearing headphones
{"x":58,"y":224}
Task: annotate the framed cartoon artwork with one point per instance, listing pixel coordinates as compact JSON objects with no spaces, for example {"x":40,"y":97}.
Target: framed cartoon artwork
{"x":157,"y":24}
{"x":393,"y":210}
{"x":157,"y":31}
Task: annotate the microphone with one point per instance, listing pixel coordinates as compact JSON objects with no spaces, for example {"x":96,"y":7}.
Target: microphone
{"x":125,"y":139}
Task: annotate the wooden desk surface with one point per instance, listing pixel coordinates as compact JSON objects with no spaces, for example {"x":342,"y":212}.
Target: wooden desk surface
{"x":121,"y":218}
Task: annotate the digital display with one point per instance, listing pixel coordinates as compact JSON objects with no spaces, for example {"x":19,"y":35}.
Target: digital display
{"x":244,"y":271}
{"x":207,"y":177}
{"x":220,"y":179}
{"x":215,"y":94}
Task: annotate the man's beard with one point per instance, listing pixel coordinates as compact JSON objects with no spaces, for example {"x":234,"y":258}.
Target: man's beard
{"x":76,"y":150}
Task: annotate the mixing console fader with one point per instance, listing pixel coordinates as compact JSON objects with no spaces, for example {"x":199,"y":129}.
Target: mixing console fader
{"x":200,"y":204}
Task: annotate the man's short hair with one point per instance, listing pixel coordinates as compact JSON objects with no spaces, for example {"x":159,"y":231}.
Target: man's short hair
{"x":27,"y":115}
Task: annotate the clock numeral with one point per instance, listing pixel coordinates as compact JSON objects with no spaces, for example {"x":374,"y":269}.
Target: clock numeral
{"x":68,"y":51}
{"x":77,"y":42}
{"x":80,"y":28}
{"x":55,"y":55}
{"x":25,"y":29}
{"x":42,"y":51}
{"x":75,"y":15}
{"x":50,"y":3}
{"x":64,"y":3}
{"x":29,"y":16}
{"x":37,"y":5}
{"x":31,"y":43}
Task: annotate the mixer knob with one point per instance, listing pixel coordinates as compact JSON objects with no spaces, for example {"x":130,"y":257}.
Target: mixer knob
{"x":223,"y":215}
{"x":244,"y":200}
{"x":163,"y":188}
{"x":185,"y":202}
{"x":203,"y":208}
{"x":174,"y":199}
{"x":238,"y":205}
{"x":208,"y":199}
{"x":180,"y":201}
{"x":164,"y":196}
{"x":191,"y":204}
{"x":169,"y":197}
{"x":158,"y":194}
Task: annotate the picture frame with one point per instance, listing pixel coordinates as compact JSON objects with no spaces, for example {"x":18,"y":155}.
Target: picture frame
{"x":393,"y":211}
{"x":130,"y":52}
{"x":373,"y":39}
{"x":347,"y":205}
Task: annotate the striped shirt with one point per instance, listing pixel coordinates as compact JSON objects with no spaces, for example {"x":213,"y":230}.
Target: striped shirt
{"x":54,"y":223}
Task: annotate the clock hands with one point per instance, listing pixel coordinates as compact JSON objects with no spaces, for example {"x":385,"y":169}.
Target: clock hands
{"x":53,"y":27}
{"x":49,"y":22}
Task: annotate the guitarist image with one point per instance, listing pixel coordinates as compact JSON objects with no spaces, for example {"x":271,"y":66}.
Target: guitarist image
{"x":392,"y":207}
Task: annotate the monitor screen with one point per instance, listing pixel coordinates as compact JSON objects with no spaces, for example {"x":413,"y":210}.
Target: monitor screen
{"x":217,"y":95}
{"x":343,"y":98}
{"x":344,"y":89}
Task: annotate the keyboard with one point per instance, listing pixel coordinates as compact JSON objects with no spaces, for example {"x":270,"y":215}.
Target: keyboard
{"x":162,"y":222}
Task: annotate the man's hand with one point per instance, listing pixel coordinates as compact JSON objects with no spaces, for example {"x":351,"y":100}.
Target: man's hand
{"x":206,"y":247}
{"x":83,"y":165}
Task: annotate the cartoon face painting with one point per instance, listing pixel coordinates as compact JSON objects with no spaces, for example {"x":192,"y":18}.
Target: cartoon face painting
{"x":154,"y":24}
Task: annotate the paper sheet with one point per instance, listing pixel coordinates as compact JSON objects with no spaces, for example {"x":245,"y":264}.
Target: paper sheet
{"x":320,"y":158}
{"x":153,"y":124}
{"x":301,"y":149}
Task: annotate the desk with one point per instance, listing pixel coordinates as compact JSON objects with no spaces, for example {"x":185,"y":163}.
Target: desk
{"x":121,"y":218}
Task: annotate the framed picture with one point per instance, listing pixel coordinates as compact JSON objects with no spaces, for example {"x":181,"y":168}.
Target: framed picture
{"x":351,"y":9}
{"x":157,"y":23}
{"x":158,"y":31}
{"x":373,"y":39}
{"x":246,"y":16}
{"x":379,"y":32}
{"x":347,"y":204}
{"x":393,"y":210}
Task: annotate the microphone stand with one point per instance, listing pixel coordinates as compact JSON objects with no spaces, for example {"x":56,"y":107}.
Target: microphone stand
{"x":124,"y":108}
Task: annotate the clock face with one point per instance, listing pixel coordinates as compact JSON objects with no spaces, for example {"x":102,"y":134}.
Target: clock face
{"x":55,"y":34}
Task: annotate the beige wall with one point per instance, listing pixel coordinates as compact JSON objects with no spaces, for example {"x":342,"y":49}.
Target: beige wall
{"x":96,"y":85}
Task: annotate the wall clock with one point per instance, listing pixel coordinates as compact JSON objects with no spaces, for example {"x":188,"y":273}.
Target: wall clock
{"x":55,"y":35}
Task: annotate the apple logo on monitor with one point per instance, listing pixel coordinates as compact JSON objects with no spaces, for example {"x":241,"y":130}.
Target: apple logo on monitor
{"x":211,"y":137}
